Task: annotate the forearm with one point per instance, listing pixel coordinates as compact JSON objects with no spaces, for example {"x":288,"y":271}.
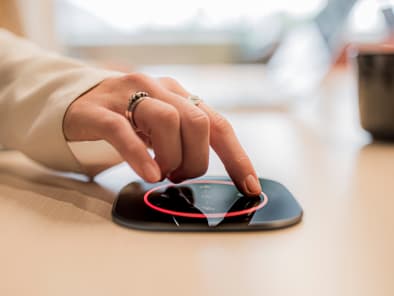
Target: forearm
{"x":36,"y":88}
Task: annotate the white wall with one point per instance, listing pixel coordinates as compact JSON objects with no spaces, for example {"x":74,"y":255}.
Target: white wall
{"x":38,"y":21}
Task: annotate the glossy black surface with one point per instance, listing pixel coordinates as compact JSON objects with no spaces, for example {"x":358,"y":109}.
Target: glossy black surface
{"x":206,"y":200}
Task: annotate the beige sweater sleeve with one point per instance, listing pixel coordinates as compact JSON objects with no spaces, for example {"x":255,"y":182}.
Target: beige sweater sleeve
{"x":36,"y":87}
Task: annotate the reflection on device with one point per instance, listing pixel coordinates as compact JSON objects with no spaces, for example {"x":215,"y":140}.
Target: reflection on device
{"x":196,"y":200}
{"x":204,"y":205}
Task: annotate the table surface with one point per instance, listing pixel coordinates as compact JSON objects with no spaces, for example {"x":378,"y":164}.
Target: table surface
{"x":57,"y":237}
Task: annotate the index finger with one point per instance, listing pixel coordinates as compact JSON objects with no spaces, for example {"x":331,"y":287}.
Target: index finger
{"x":225,"y":143}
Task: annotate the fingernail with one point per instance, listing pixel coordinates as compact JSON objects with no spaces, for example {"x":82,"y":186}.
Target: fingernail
{"x":151,"y":173}
{"x":252,"y":185}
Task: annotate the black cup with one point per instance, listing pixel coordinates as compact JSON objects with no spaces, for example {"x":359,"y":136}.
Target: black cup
{"x":375,"y":75}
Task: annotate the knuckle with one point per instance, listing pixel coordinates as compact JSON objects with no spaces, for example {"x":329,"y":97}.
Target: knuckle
{"x":138,"y":78}
{"x":169,"y":82}
{"x":134,"y":148}
{"x":169,"y":116}
{"x":112,"y":124}
{"x":109,"y":121}
{"x":220,"y":124}
{"x":198,"y":118}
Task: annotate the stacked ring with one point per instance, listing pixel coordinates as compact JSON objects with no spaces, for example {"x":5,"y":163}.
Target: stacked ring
{"x":134,"y":100}
{"x":139,"y":96}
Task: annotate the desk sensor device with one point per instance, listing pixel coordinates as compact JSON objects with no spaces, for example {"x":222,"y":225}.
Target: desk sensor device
{"x":204,"y":204}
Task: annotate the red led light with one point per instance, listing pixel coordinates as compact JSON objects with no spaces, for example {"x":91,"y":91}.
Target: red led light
{"x":199,"y":215}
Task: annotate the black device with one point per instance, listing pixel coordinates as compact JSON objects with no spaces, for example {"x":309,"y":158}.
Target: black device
{"x":204,"y":204}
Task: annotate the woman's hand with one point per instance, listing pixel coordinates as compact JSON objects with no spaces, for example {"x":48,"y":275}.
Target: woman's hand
{"x":179,"y":133}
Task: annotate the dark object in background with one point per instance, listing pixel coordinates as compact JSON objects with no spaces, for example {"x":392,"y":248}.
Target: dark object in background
{"x":375,"y":75}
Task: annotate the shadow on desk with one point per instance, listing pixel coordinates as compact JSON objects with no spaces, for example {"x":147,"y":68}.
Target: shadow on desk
{"x":33,"y":186}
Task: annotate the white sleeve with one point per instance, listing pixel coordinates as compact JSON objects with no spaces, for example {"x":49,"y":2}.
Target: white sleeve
{"x":36,"y":88}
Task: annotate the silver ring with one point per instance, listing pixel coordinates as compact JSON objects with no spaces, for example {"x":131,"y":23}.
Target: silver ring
{"x":195,"y":100}
{"x":134,"y":100}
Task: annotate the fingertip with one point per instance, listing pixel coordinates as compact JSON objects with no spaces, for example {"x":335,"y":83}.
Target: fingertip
{"x":175,"y":179}
{"x":252,"y":185}
{"x":152,"y":173}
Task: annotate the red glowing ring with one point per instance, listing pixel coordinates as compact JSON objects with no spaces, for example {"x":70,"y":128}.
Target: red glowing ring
{"x":198,"y":215}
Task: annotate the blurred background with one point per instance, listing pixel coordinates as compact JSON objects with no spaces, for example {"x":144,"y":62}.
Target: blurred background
{"x":235,"y":54}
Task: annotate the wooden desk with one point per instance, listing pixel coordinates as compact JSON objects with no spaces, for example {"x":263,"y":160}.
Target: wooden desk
{"x":57,"y":237}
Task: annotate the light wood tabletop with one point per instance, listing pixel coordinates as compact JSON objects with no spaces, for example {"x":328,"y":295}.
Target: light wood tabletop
{"x":57,"y":236}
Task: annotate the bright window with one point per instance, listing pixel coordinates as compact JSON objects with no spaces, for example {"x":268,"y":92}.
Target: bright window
{"x":85,"y":20}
